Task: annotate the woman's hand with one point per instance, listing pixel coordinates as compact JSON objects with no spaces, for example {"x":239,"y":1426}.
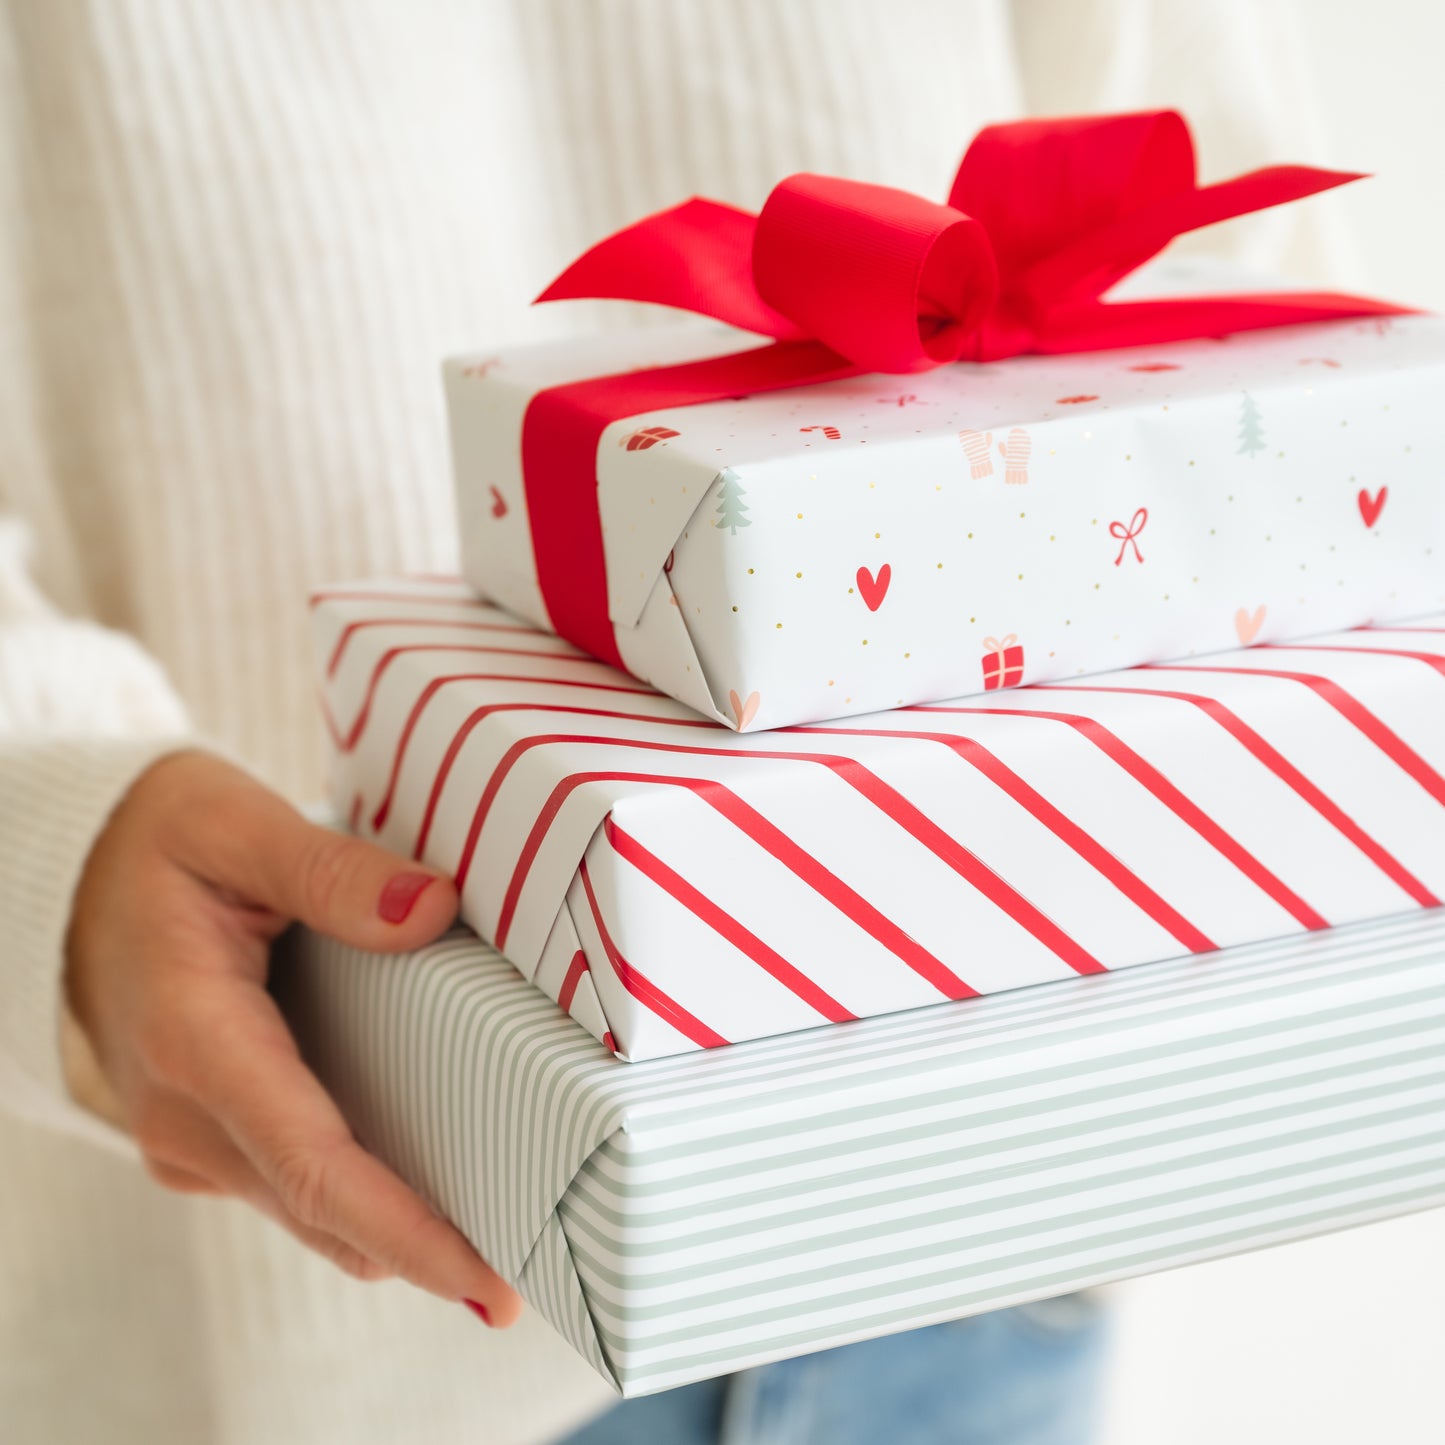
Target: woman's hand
{"x":197,"y":871}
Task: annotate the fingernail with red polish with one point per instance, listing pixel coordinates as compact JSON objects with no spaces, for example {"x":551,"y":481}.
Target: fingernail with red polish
{"x":399,"y":896}
{"x":479,"y":1310}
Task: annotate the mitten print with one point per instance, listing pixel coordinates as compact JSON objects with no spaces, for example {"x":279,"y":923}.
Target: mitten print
{"x":977,"y":447}
{"x":1015,"y":454}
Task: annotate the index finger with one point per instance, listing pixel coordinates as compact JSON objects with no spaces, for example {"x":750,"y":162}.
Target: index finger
{"x":246,"y":1070}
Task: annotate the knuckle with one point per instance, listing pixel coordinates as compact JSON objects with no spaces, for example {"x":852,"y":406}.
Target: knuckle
{"x":177,"y":1181}
{"x":160,"y":1049}
{"x":150,"y":1132}
{"x":407,"y":1251}
{"x":302,"y":1178}
{"x":329,"y":867}
{"x":359,"y":1266}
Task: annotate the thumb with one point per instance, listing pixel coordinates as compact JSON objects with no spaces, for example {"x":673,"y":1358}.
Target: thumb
{"x":250,"y":840}
{"x":359,"y":893}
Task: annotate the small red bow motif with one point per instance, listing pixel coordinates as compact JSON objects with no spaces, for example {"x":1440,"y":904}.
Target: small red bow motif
{"x":1129,"y":536}
{"x":1044,"y":216}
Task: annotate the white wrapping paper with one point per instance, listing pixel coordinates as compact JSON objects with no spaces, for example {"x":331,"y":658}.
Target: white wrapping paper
{"x":847,"y":548}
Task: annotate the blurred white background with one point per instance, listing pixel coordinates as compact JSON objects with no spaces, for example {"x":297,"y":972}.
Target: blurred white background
{"x":1338,"y":1339}
{"x":1380,"y":102}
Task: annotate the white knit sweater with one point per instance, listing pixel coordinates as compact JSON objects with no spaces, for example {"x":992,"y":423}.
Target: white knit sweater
{"x":235,"y":240}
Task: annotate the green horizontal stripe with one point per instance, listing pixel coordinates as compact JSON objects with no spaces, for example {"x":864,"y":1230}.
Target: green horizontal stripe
{"x":695,"y":1360}
{"x":603,"y":1222}
{"x":859,"y":1299}
{"x":879,"y":1115}
{"x":636,"y":1281}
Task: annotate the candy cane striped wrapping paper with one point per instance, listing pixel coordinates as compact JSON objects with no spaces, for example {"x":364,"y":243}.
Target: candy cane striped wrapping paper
{"x":675,"y":885}
{"x":691,"y":1216}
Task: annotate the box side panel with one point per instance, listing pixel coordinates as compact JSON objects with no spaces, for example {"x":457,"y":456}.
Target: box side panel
{"x":1148,"y":1121}
{"x":485,"y":407}
{"x":1117,"y":517}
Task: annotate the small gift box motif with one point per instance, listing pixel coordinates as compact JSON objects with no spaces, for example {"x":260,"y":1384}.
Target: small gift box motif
{"x":1003,"y":665}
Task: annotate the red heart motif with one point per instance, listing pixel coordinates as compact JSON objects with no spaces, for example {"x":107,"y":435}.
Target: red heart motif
{"x":1371,"y":507}
{"x":499,"y":504}
{"x":874,"y":589}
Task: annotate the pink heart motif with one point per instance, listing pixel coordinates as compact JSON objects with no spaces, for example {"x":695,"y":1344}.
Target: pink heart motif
{"x":744,"y":712}
{"x":1247,"y":624}
{"x":874,"y":589}
{"x":1371,"y":507}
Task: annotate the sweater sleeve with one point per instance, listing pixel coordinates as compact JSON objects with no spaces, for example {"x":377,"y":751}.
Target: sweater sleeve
{"x":83,"y":712}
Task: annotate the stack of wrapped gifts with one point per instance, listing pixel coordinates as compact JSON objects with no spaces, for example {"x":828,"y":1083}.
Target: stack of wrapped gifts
{"x":824,"y":722}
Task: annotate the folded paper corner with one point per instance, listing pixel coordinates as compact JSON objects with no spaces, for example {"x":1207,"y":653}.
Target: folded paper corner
{"x":550,"y":1284}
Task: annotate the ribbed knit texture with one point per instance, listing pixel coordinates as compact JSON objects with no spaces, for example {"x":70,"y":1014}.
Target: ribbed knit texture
{"x":235,"y":241}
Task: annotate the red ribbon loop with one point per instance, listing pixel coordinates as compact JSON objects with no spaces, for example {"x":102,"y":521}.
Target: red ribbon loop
{"x":885,"y":278}
{"x":1043,"y":218}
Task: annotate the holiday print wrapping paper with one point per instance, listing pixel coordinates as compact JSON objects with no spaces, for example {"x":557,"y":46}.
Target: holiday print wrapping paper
{"x":692,"y":1216}
{"x":676,"y":885}
{"x":845,"y":548}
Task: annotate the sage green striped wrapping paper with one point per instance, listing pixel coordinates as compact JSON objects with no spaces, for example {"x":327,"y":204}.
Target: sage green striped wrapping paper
{"x":693,"y":1215}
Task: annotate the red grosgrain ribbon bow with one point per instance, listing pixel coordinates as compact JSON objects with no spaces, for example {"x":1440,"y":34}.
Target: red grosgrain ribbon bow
{"x":1044,"y":216}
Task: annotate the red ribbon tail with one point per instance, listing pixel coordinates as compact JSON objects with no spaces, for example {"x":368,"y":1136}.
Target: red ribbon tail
{"x":697,"y":256}
{"x":1109,"y":325}
{"x":1098,"y":258}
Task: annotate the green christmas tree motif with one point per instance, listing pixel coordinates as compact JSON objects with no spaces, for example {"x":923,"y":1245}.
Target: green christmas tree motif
{"x":1251,"y":429}
{"x":731,"y":509}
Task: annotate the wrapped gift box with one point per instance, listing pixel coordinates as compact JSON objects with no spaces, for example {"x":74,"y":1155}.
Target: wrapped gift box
{"x":845,"y":548}
{"x":691,"y":1216}
{"x":676,"y":885}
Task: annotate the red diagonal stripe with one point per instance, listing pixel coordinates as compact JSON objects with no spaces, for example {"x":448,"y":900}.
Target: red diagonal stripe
{"x":887,"y":799}
{"x":724,"y":924}
{"x":768,"y":837}
{"x":436,"y":685}
{"x":575,"y":970}
{"x":431,"y":623}
{"x":1328,"y":690}
{"x":643,"y":989}
{"x":479,"y":715}
{"x":1287,"y":773}
{"x":1058,"y":823}
{"x":1430,"y":659}
{"x":347,"y":743}
{"x":1178,"y":803}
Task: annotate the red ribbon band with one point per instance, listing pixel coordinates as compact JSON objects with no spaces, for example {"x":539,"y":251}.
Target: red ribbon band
{"x":1044,"y":217}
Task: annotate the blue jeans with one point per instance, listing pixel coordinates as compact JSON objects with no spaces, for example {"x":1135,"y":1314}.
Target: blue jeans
{"x":1025,"y":1376}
